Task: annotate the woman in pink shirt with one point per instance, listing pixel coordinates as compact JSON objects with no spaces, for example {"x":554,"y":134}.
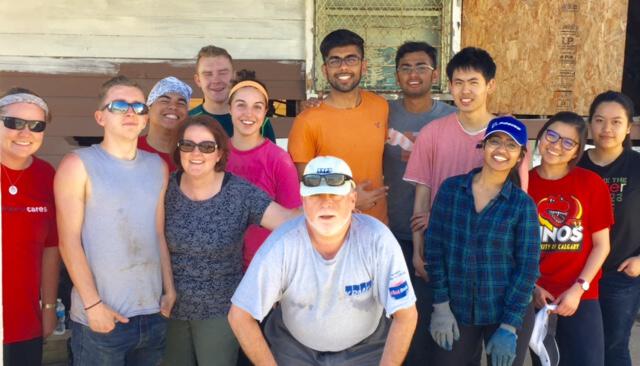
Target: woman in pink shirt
{"x":256,"y":159}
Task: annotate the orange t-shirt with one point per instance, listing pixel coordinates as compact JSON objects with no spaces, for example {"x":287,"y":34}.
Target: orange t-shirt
{"x":356,"y":135}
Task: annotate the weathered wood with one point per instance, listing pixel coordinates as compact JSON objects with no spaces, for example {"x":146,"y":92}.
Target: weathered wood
{"x":148,"y":29}
{"x":551,"y":55}
{"x":73,"y":97}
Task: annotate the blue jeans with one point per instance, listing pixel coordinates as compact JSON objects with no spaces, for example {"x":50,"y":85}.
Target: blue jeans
{"x":139,"y":342}
{"x":619,"y":302}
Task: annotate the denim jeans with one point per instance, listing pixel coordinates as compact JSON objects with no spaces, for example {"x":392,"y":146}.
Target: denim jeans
{"x":619,"y":302}
{"x":139,"y":342}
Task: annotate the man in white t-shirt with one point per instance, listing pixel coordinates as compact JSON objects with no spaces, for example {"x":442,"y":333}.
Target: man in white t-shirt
{"x":335,"y":275}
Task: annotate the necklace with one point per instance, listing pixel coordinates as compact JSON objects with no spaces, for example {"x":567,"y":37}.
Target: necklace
{"x":13,"y":190}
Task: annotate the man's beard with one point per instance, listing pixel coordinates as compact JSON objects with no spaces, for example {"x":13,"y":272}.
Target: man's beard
{"x":335,"y":84}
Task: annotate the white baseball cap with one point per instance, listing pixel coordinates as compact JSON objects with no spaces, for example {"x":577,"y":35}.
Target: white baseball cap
{"x":324,"y":166}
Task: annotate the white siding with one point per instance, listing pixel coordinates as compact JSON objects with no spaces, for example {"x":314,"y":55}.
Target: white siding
{"x":146,"y":30}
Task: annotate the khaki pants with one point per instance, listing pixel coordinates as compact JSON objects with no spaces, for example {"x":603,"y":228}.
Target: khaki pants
{"x":200,"y":342}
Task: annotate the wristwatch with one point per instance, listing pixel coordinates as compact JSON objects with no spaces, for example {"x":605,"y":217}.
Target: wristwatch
{"x":583,"y":283}
{"x":48,"y":306}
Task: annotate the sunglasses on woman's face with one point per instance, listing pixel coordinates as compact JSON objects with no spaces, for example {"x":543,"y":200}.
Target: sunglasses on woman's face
{"x":14,"y":123}
{"x":121,"y":107}
{"x":205,"y":147}
{"x":333,"y":179}
{"x":553,"y":137}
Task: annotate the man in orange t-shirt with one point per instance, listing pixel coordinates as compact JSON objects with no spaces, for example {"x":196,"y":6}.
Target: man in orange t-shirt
{"x":350,"y":123}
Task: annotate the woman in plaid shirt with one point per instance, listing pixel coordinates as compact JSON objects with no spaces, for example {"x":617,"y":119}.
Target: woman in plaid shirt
{"x":483,"y":255}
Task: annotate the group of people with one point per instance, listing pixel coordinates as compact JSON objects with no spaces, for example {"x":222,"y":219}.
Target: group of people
{"x":406,"y":231}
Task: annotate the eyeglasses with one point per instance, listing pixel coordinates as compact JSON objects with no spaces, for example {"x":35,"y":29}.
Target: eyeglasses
{"x":419,"y":69}
{"x":553,"y":137}
{"x":335,"y":62}
{"x":121,"y":107}
{"x":205,"y":147}
{"x":332,"y":179}
{"x":496,"y":142}
{"x":19,"y":124}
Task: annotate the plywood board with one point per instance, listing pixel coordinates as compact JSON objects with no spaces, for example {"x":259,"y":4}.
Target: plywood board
{"x":551,"y":55}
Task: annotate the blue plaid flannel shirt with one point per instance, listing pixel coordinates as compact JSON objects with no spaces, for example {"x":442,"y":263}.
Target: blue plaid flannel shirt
{"x":485,"y":264}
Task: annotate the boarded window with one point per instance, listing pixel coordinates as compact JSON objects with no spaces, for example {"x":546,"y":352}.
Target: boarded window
{"x":384,"y":25}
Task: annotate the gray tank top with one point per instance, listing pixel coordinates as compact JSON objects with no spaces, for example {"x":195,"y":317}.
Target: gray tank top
{"x":119,"y":232}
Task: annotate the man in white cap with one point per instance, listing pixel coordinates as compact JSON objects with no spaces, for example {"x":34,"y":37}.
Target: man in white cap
{"x":168,"y":104}
{"x":333,"y":274}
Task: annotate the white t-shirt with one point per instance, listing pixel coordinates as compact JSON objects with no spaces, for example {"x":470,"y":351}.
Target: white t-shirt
{"x":328,"y":305}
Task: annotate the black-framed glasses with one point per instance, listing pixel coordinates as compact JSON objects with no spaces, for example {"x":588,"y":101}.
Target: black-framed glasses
{"x":334,"y":62}
{"x":331,"y":179}
{"x":15,"y":123}
{"x":496,"y":143}
{"x":420,"y":69}
{"x":553,"y":137}
{"x":205,"y":147}
{"x":122,"y":106}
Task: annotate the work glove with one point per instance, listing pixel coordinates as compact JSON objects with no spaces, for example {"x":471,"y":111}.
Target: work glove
{"x":443,"y":326}
{"x":502,"y":346}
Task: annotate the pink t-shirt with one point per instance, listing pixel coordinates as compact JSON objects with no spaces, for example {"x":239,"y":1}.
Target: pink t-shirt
{"x":271,"y":169}
{"x":444,"y":149}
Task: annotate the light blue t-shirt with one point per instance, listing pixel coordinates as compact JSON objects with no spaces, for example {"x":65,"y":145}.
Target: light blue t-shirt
{"x":328,"y":305}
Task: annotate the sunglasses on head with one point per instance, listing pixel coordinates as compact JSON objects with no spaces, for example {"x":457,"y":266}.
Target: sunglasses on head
{"x":121,"y":107}
{"x":19,"y":124}
{"x":332,"y":179}
{"x":205,"y":147}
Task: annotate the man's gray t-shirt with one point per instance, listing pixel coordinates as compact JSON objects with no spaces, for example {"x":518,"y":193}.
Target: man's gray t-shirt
{"x":328,"y":305}
{"x":205,"y":242}
{"x":403,"y":130}
{"x":119,"y":232}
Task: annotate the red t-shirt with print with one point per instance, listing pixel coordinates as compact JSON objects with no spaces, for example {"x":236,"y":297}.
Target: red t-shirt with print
{"x":570,"y":210}
{"x":28,"y":226}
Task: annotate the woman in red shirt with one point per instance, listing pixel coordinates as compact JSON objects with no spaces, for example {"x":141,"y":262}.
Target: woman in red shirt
{"x":30,"y":259}
{"x":574,"y":211}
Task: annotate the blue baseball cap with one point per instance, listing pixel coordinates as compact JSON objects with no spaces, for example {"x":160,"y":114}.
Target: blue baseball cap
{"x":509,"y":125}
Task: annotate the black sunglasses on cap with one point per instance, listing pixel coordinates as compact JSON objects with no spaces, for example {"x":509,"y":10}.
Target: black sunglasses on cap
{"x":121,"y":107}
{"x":332,"y":179}
{"x":205,"y":147}
{"x":19,"y":124}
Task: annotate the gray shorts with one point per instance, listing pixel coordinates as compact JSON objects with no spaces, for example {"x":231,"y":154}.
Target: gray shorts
{"x":288,"y":351}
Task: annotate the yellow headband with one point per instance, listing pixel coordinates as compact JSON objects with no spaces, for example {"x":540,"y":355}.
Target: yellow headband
{"x":252,"y":84}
